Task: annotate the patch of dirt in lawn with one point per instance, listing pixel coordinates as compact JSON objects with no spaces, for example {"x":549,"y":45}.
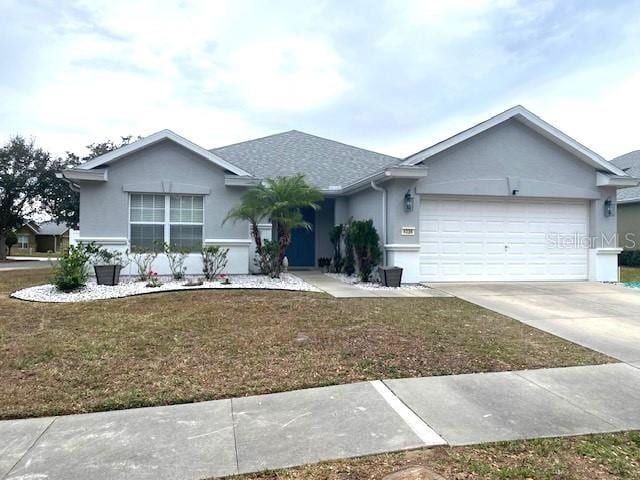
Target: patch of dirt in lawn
{"x":190,"y":346}
{"x":592,"y":457}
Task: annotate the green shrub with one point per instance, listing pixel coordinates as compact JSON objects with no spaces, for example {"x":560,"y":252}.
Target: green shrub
{"x":349,"y":263}
{"x":366,"y":246}
{"x":629,"y":258}
{"x":71,"y":272}
{"x":214,"y":260}
{"x":268,"y":261}
{"x":335,"y":237}
{"x":176,"y":257}
{"x":104,"y":256}
{"x":143,"y":258}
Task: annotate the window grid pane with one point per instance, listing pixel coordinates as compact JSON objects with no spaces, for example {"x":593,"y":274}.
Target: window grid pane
{"x":186,"y":209}
{"x":187,"y":236}
{"x":147,"y":208}
{"x":145,"y":236}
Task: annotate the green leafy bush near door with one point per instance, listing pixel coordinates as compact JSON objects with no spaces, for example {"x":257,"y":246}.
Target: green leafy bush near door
{"x":364,"y":239}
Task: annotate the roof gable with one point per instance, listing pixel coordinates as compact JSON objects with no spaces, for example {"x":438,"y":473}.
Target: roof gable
{"x":630,"y":163}
{"x":532,"y":121}
{"x":52,"y":228}
{"x":153,"y":139}
{"x":325,"y":163}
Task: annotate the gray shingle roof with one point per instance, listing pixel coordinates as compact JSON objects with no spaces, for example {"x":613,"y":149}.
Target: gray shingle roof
{"x":325,"y":163}
{"x":629,"y":162}
{"x":52,"y":228}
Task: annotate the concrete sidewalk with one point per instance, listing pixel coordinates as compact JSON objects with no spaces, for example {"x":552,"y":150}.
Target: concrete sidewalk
{"x":339,"y":289}
{"x":240,"y":435}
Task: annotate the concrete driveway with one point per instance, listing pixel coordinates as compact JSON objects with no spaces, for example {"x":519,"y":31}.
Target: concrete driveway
{"x":603,"y":317}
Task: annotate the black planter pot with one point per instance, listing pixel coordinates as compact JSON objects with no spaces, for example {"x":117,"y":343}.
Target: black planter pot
{"x":390,"y":276}
{"x":107,"y":274}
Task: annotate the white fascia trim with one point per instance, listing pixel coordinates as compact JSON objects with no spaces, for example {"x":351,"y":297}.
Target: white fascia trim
{"x":155,"y":138}
{"x":79,"y":174}
{"x":402,"y":247}
{"x":103,"y":240}
{"x":397,"y":171}
{"x":228,"y":241}
{"x":28,"y":224}
{"x":536,"y":123}
{"x":606,"y":180}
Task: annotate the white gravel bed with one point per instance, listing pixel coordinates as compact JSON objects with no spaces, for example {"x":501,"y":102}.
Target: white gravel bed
{"x":129,"y":287}
{"x":355,"y":281}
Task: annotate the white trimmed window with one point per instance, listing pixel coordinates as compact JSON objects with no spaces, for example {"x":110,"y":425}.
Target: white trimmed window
{"x":23,"y":241}
{"x":175,"y":219}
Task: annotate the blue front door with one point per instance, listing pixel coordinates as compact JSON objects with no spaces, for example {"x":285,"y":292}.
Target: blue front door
{"x":302,"y":249}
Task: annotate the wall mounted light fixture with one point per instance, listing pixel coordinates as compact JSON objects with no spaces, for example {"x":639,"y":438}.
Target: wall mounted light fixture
{"x":408,"y":201}
{"x":609,"y":211}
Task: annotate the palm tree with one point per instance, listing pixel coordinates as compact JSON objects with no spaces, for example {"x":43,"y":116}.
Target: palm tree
{"x":252,"y":210}
{"x":285,"y":197}
{"x":281,"y":199}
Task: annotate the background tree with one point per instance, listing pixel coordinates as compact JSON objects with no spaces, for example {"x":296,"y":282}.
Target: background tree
{"x":26,"y":175}
{"x":11,"y":240}
{"x":63,"y":202}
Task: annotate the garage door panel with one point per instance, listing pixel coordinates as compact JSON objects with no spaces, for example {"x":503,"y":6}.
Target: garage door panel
{"x":471,"y":246}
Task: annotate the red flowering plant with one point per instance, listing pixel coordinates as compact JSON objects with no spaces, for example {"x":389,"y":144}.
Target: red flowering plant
{"x":224,"y":279}
{"x":152,"y":279}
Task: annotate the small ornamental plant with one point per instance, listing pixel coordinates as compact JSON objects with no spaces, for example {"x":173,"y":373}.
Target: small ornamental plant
{"x":152,"y":279}
{"x":224,"y":279}
{"x":214,"y":260}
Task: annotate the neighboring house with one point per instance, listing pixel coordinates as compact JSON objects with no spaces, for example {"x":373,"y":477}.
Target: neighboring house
{"x":26,"y":235}
{"x":511,"y":198}
{"x":629,"y":203}
{"x":43,"y":237}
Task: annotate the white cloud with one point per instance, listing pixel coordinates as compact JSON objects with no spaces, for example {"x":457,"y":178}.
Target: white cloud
{"x":286,"y":74}
{"x":393,"y":76}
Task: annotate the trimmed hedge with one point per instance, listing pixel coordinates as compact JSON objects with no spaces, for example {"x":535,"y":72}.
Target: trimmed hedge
{"x":629,"y":258}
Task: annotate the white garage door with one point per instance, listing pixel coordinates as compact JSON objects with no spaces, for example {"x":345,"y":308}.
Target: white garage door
{"x":464,"y":239}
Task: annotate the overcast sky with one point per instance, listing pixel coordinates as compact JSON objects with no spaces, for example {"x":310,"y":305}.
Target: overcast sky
{"x":393,"y":76}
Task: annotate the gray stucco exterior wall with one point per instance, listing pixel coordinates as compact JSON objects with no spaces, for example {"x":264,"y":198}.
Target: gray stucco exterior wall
{"x":509,"y":157}
{"x":397,"y":217}
{"x":367,"y":204}
{"x":104,"y":206}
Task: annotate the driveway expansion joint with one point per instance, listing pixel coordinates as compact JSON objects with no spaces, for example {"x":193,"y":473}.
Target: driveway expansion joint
{"x":235,"y":436}
{"x":411,"y":418}
{"x":26,"y":452}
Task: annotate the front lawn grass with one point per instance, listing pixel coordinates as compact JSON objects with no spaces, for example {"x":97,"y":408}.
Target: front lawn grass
{"x":630,"y":274}
{"x":188,"y":346}
{"x":593,"y":457}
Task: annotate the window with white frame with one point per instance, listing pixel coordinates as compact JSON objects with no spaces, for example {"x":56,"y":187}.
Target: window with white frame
{"x":23,"y":241}
{"x":174,"y":219}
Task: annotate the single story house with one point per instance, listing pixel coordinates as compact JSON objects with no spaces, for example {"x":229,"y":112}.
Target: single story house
{"x":43,"y":237}
{"x":512,"y":198}
{"x":629,"y":203}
